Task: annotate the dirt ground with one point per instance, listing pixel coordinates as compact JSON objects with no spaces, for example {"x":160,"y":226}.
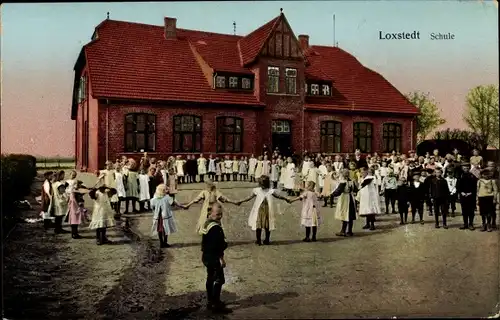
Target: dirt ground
{"x":402,"y":271}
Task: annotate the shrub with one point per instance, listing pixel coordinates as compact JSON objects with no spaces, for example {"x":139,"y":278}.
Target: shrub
{"x":18,"y":172}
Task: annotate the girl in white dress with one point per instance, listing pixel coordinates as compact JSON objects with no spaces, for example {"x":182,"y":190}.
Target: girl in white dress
{"x":322,"y":172}
{"x":179,"y":169}
{"x":274,"y":174}
{"x":258,"y":168}
{"x":289,"y":180}
{"x":219,"y":169}
{"x":282,"y":173}
{"x":262,"y":214}
{"x":243,"y":169}
{"x":107,"y":177}
{"x":228,"y":169}
{"x":60,"y":202}
{"x":252,"y":164}
{"x":309,"y":217}
{"x":131,"y":182}
{"x":338,"y":165}
{"x":144,"y":190}
{"x":211,"y":167}
{"x":120,"y":187}
{"x":266,"y":166}
{"x":202,"y":167}
{"x":235,"y":168}
{"x":102,"y":214}
{"x":312,"y":175}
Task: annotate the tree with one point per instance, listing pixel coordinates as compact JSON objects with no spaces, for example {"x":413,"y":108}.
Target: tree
{"x":429,"y":118}
{"x":471,"y":138}
{"x":481,"y":114}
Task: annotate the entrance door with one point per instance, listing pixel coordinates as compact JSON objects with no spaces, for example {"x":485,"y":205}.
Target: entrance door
{"x":282,"y":135}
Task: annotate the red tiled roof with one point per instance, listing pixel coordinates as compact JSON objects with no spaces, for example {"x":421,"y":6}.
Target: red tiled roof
{"x":251,"y":45}
{"x":364,"y":89}
{"x":135,"y":61}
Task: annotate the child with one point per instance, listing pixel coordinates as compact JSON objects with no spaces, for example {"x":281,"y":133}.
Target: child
{"x":258,"y":168}
{"x":487,"y":194}
{"x":322,"y":172}
{"x":211,"y":167}
{"x":102,"y":214}
{"x":425,"y":178}
{"x":219,"y":169}
{"x":46,"y":199}
{"x":144,"y":190}
{"x":452,"y":186}
{"x":202,"y":168}
{"x":417,"y":196}
{"x":120,"y":188}
{"x":289,"y":179}
{"x":179,"y":169}
{"x":262,"y":214}
{"x":266,"y":166}
{"x":338,"y":164}
{"x":252,"y":164}
{"x":310,"y":218}
{"x":242,"y":169}
{"x":164,"y":171}
{"x":172,"y":183}
{"x":274,"y":174}
{"x":329,"y":185}
{"x":71,"y":182}
{"x":312,"y":175}
{"x":439,"y":193}
{"x":107,"y":177}
{"x":131,"y":182}
{"x":282,"y":174}
{"x":213,"y":244}
{"x":228,"y":168}
{"x":77,"y":212}
{"x":163,"y":215}
{"x":369,"y":202}
{"x":383,"y":171}
{"x":402,"y":194}
{"x":235,"y":168}
{"x":346,"y":204}
{"x":389,"y":186}
{"x":60,"y":201}
{"x":467,"y":189}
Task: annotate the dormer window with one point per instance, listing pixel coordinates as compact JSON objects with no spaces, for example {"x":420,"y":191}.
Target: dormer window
{"x":233,"y":82}
{"x":246,"y":83}
{"x":326,"y":90}
{"x":220,"y":82}
{"x":82,"y":89}
{"x":314,"y":89}
{"x":306,"y":87}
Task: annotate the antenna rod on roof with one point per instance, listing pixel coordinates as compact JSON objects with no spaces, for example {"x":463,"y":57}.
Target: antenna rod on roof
{"x":334,"y":43}
{"x":107,"y":15}
{"x":234,"y":27}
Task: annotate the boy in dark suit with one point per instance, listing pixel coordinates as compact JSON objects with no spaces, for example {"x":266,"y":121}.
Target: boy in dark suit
{"x":418,"y":194}
{"x":467,"y":191}
{"x":439,"y":193}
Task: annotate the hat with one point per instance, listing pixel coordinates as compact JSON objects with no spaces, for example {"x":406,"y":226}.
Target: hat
{"x":465,"y":164}
{"x":415,"y":173}
{"x":429,"y":170}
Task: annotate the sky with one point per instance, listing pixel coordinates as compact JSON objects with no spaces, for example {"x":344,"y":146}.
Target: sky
{"x":40,"y":44}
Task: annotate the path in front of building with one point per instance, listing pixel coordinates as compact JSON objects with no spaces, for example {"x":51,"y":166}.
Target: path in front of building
{"x":411,"y":270}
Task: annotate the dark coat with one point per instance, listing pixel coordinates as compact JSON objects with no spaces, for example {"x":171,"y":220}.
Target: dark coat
{"x":213,"y":242}
{"x":439,"y":188}
{"x":420,"y":193}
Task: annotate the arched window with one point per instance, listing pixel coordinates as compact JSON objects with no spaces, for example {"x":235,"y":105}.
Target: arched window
{"x":229,"y":134}
{"x":363,"y":136}
{"x":187,"y":133}
{"x":140,"y":132}
{"x":331,"y":137}
{"x":392,"y":137}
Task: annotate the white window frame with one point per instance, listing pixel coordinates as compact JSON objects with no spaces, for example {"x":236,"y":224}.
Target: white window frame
{"x":233,"y":82}
{"x":291,"y":79}
{"x":273,"y":73}
{"x":246,"y":83}
{"x":325,"y":89}
{"x":220,"y":81}
{"x":315,"y":89}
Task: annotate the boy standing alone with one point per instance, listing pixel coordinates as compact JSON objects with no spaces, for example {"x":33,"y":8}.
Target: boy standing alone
{"x":213,"y":244}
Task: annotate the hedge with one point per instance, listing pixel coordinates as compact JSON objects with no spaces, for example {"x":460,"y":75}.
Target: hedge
{"x":18,"y":173}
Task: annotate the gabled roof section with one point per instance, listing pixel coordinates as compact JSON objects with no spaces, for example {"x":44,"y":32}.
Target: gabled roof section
{"x":251,"y":45}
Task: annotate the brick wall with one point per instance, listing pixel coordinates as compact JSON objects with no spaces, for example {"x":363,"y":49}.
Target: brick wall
{"x":164,"y":128}
{"x":314,"y":120}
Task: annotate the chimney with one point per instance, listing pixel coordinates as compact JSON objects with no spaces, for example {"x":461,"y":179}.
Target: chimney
{"x":170,"y":28}
{"x":304,"y":41}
